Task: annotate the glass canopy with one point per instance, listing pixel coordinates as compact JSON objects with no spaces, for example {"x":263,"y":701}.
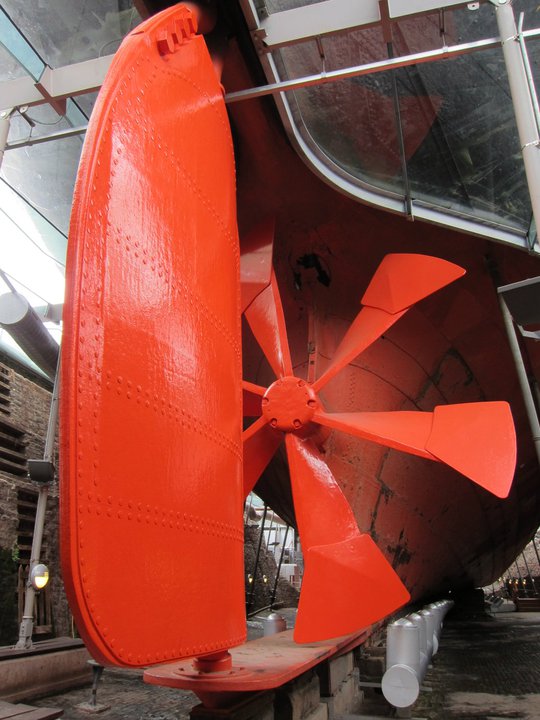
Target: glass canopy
{"x":439,"y":136}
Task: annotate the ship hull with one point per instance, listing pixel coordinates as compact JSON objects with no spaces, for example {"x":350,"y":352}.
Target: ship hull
{"x":438,"y":530}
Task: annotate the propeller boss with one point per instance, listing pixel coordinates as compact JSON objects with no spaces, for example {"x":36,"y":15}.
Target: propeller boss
{"x":289,"y":404}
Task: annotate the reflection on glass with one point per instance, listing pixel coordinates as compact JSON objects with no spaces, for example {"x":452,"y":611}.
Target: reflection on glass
{"x":274,"y":6}
{"x":87,"y":102}
{"x":65,"y":32}
{"x":471,"y":158}
{"x":363,"y":141}
{"x":459,"y":132}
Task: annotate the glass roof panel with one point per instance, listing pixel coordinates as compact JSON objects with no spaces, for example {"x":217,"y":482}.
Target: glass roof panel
{"x":18,"y":46}
{"x":10,"y":69}
{"x":44,"y":174}
{"x":36,"y":227}
{"x":25,"y":261}
{"x":66,"y":32}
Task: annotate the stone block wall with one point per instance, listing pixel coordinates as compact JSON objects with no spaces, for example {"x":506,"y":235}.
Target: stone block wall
{"x":327,"y":692}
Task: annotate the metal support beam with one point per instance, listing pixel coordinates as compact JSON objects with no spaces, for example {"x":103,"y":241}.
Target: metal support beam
{"x":5,"y":117}
{"x":55,"y":84}
{"x":521,"y":99}
{"x":329,"y":17}
{"x":402,"y":8}
{"x":311,"y":21}
{"x":369,"y":68}
{"x":529,"y":571}
{"x":59,"y":135}
{"x":533,"y":541}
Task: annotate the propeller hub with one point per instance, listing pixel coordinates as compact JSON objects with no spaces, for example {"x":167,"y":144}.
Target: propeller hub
{"x":289,"y":404}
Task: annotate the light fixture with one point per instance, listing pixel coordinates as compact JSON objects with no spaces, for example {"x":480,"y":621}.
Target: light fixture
{"x":39,"y":576}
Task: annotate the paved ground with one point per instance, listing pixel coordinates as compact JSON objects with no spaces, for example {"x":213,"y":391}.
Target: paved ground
{"x":128,"y":698}
{"x":487,"y":669}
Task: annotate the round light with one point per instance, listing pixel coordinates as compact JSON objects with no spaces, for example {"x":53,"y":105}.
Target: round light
{"x":39,"y":576}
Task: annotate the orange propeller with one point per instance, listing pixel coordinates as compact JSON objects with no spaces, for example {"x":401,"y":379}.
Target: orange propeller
{"x":348,"y":583}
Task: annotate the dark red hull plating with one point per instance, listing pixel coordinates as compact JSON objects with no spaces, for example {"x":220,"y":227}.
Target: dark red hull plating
{"x":437,"y":529}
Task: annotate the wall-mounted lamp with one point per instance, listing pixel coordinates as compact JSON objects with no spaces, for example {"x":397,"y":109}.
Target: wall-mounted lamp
{"x":39,"y":576}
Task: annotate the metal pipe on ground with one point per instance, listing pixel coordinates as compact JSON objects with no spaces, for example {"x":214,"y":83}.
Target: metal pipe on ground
{"x":410,"y":643}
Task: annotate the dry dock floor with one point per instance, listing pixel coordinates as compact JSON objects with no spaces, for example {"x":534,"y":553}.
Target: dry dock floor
{"x":487,"y":668}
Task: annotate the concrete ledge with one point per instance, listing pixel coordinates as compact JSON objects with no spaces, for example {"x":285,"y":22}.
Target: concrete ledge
{"x":23,"y":678}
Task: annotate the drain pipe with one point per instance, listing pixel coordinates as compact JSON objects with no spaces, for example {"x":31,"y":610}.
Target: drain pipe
{"x":530,"y":406}
{"x":522,"y":100}
{"x":42,"y":471}
{"x":411,"y":642}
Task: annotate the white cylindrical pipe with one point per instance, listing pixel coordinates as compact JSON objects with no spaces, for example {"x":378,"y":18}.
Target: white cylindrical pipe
{"x":400,"y":683}
{"x":274,"y":623}
{"x":429,"y":618}
{"x":410,"y":643}
{"x":400,"y":686}
{"x":437,"y":608}
{"x":403,"y":644}
{"x":420,"y":623}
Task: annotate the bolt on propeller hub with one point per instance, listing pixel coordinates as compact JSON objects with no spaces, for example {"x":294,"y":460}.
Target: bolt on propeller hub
{"x":289,"y":404}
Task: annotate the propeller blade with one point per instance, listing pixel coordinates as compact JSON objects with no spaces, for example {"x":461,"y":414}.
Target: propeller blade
{"x":267,"y":321}
{"x":256,"y":261}
{"x":479,"y":441}
{"x":251,"y":399}
{"x":260,"y":444}
{"x":348,"y":583}
{"x":400,"y":281}
{"x":346,"y":587}
{"x":476,"y":439}
{"x":368,"y":326}
{"x":401,"y":430}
